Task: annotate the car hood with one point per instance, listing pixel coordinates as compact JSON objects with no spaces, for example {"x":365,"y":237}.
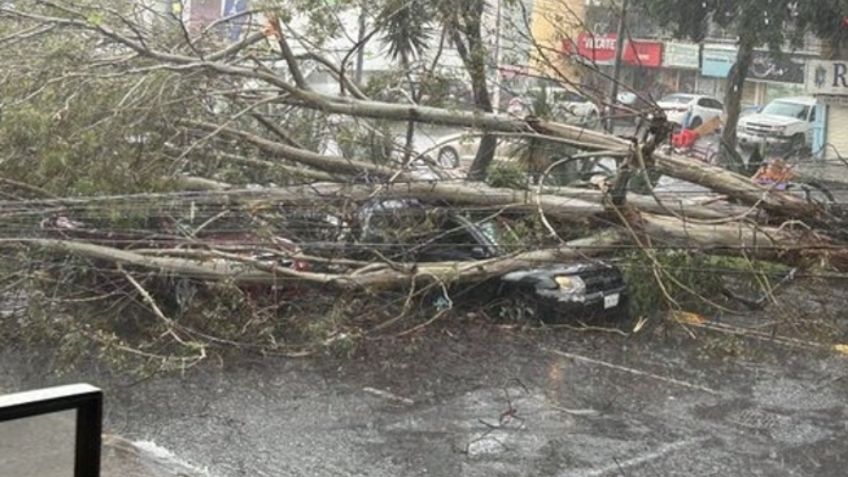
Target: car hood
{"x":535,"y":274}
{"x":769,"y":120}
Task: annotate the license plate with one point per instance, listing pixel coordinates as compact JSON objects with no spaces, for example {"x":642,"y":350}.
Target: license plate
{"x":611,"y":301}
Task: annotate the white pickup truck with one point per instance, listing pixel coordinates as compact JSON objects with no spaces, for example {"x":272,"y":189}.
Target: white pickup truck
{"x":783,"y":122}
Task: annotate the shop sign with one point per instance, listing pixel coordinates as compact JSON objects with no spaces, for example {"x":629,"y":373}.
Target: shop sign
{"x":600,"y":49}
{"x":785,"y":69}
{"x":682,"y":55}
{"x":643,"y":53}
{"x":827,"y":78}
{"x":717,"y":60}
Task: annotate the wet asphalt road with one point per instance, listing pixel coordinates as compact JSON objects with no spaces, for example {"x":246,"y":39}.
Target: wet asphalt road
{"x":471,"y":399}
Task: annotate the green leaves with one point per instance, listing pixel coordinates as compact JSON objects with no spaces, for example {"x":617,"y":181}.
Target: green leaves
{"x":95,"y":19}
{"x":407,"y":27}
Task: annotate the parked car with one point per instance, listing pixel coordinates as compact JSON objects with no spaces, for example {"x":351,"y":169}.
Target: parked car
{"x":784,"y":122}
{"x":630,"y":107}
{"x":571,"y":106}
{"x":447,"y":150}
{"x":565,"y":105}
{"x":690,"y":110}
{"x":408,"y":230}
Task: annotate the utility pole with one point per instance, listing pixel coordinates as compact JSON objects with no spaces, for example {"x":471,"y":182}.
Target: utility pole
{"x":619,"y":49}
{"x":360,"y":54}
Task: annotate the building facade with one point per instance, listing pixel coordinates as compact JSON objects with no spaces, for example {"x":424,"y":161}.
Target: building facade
{"x":828,"y":82}
{"x":656,"y":63}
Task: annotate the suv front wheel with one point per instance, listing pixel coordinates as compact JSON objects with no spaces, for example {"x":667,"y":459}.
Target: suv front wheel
{"x":798,"y":143}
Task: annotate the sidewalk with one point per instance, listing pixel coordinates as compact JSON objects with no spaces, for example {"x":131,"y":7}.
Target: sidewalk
{"x":40,"y":446}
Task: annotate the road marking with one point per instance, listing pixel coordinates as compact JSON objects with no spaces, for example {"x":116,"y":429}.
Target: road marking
{"x":637,"y":372}
{"x":616,"y":467}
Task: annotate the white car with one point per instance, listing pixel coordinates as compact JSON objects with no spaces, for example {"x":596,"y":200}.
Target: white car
{"x":571,"y":106}
{"x":566,"y":105}
{"x":784,"y":122}
{"x":690,"y":110}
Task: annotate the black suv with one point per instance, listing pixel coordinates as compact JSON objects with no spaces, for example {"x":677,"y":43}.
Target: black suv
{"x":407,"y":230}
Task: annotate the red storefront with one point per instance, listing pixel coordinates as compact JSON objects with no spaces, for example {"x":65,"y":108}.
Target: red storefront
{"x":641,"y":59}
{"x":600,"y":50}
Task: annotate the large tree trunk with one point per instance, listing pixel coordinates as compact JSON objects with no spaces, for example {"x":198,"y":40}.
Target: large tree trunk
{"x":735,"y":186}
{"x":733,"y":101}
{"x":473,"y":54}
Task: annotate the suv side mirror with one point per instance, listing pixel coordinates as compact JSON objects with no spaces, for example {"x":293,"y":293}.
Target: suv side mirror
{"x":478,"y":252}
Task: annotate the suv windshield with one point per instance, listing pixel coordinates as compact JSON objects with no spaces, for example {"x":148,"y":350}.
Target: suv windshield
{"x":568,"y":97}
{"x":785,"y":108}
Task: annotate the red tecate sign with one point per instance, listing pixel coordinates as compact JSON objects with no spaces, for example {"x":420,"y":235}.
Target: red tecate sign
{"x":600,"y":49}
{"x":594,"y":48}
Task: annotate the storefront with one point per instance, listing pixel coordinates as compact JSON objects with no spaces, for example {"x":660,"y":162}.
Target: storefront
{"x":777,"y":77}
{"x":716,"y":62}
{"x":640,"y":59}
{"x":828,"y":82}
{"x":682,"y":62}
{"x":769,"y":76}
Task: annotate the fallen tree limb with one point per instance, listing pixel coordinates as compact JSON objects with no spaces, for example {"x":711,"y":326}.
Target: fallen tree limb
{"x":563,"y":203}
{"x":219,"y":266}
{"x":446,"y":192}
{"x":199,"y":183}
{"x":735,"y":186}
{"x":326,"y":163}
{"x":801,"y":248}
{"x":687,"y":208}
{"x":765,"y":242}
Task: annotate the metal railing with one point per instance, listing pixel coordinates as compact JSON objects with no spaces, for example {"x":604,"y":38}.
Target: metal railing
{"x":87,"y":400}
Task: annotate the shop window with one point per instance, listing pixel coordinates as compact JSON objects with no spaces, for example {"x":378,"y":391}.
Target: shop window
{"x":782,"y":90}
{"x":687,"y":81}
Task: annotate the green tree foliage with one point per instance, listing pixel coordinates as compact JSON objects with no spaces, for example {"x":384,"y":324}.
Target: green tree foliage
{"x":70,"y":127}
{"x":407,"y":29}
{"x":826,"y":18}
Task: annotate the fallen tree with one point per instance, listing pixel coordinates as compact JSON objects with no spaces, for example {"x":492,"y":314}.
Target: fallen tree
{"x":206,"y":129}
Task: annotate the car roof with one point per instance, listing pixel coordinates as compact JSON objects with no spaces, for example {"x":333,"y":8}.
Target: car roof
{"x":680,"y":95}
{"x":805,"y":100}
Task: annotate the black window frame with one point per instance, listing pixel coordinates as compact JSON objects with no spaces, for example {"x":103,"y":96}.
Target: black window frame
{"x":86,"y":399}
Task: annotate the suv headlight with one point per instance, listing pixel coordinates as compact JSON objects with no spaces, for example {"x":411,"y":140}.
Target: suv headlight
{"x":570,"y":283}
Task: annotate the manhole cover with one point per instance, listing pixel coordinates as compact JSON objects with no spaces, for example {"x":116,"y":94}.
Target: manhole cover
{"x":755,"y":419}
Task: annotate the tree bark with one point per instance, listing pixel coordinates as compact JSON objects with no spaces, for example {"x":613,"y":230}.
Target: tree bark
{"x":234,"y":269}
{"x":326,"y":163}
{"x":803,"y":248}
{"x":735,"y":186}
{"x":733,"y":100}
{"x":473,"y":57}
